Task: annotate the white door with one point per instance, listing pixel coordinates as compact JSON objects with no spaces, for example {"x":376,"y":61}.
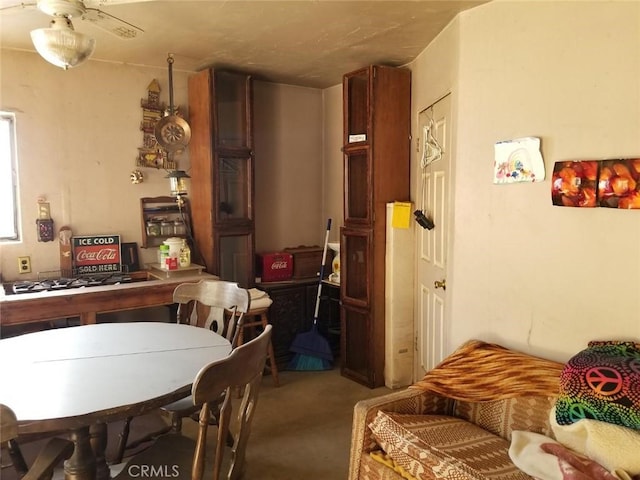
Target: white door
{"x":434,"y":147}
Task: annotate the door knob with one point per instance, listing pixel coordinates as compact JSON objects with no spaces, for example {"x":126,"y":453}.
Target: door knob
{"x":440,"y":284}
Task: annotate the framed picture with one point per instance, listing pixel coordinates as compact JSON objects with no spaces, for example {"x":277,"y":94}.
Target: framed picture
{"x":129,"y":255}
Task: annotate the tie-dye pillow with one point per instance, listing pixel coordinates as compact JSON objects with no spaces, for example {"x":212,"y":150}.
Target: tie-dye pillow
{"x":601,"y":382}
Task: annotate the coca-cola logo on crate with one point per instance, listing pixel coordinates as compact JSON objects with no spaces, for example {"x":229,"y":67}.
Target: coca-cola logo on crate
{"x":96,"y":254}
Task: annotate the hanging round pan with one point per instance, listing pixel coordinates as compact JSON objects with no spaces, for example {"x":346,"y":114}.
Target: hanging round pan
{"x":172,"y":132}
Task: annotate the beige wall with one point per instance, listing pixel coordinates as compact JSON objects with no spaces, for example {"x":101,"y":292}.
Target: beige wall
{"x":78,"y":135}
{"x":289,"y":177}
{"x":333,"y":160}
{"x":526,"y":274}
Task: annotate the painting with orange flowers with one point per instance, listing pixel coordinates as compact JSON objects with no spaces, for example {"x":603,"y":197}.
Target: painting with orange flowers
{"x":619,"y":183}
{"x":574,"y":184}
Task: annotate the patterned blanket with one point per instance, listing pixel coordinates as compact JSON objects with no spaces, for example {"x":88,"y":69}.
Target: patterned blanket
{"x":545,"y":459}
{"x":480,"y":371}
{"x":602,"y":382}
{"x":613,"y":446}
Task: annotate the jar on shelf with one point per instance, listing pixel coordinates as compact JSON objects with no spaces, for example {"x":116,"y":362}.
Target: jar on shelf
{"x":166,"y":227}
{"x":153,"y":228}
{"x":178,"y":227}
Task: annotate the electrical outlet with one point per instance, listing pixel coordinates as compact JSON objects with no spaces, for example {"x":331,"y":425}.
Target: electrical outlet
{"x":24,"y":264}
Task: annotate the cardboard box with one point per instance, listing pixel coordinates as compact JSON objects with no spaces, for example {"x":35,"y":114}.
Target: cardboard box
{"x":274,"y":267}
{"x":306,"y":261}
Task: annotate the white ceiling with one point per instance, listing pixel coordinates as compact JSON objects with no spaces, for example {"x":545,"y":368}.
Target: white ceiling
{"x":299,"y":42}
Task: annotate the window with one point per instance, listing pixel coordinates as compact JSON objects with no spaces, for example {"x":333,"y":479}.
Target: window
{"x":8,"y":178}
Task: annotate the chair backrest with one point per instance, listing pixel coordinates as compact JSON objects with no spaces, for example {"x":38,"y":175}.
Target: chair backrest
{"x":242,"y":369}
{"x":8,"y":424}
{"x":56,"y":450}
{"x":211,"y":304}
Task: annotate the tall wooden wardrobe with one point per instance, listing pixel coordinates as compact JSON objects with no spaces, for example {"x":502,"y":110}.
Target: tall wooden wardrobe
{"x":377,"y":131}
{"x":222,"y":173}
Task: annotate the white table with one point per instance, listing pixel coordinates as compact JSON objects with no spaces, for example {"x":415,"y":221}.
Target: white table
{"x":75,"y":378}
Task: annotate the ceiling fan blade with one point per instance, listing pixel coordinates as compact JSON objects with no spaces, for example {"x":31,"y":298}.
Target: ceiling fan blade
{"x":112,"y":24}
{"x":106,"y":3}
{"x":18,"y":7}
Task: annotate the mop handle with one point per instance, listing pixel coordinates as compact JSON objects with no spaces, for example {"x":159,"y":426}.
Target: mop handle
{"x":324,"y":259}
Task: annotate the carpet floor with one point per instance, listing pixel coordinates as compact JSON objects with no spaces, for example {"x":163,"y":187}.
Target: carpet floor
{"x":301,"y":429}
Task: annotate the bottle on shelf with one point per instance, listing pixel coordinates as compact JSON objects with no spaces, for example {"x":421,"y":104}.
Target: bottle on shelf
{"x":163,"y":254}
{"x":185,"y":254}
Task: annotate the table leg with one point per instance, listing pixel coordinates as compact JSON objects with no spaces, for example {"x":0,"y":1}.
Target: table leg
{"x":87,"y":318}
{"x":82,"y":463}
{"x":98,"y":436}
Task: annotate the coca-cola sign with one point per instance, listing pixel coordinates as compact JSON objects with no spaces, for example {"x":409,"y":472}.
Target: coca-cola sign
{"x":96,"y":254}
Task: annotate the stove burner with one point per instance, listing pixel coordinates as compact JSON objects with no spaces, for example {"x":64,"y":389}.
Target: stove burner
{"x":66,"y":283}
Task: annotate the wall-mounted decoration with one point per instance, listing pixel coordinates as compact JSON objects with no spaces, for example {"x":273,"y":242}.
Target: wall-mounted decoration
{"x":619,"y":183}
{"x":611,"y":183}
{"x":44,"y":222}
{"x":574,"y":184}
{"x":518,"y":160}
{"x":136,"y":177}
{"x":172,"y":132}
{"x":151,"y":154}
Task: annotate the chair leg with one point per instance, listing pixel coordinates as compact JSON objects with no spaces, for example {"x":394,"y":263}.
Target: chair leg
{"x":15,"y":454}
{"x":176,"y":423}
{"x":272,"y":358}
{"x":123,"y":438}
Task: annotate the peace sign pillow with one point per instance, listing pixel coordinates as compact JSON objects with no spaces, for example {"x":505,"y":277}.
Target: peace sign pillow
{"x":602,"y":382}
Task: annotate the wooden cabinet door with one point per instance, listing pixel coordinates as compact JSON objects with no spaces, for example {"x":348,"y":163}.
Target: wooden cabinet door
{"x":355,"y":265}
{"x":357,"y":187}
{"x":357,"y":344}
{"x":232,"y":93}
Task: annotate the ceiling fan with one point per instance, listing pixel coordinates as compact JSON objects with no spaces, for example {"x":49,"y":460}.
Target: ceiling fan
{"x":60,"y":44}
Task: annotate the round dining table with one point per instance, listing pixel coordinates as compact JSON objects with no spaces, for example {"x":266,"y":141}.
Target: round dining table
{"x":76,"y":379}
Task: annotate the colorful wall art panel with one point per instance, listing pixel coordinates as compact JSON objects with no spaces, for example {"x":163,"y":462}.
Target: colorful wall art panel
{"x":613,"y":183}
{"x":574,"y":184}
{"x":518,"y":160}
{"x":619,"y":183}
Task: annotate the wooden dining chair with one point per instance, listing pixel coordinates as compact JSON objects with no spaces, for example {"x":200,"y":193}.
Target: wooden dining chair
{"x":53,"y":452}
{"x":211,"y":304}
{"x":214,"y":304}
{"x":176,"y":455}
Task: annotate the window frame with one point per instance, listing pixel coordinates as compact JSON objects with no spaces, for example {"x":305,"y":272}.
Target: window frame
{"x":11,"y":167}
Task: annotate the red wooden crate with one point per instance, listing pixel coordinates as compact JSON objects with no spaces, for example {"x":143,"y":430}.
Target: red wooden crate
{"x":274,"y":267}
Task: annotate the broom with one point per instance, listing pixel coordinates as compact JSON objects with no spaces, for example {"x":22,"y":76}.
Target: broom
{"x":312,"y":350}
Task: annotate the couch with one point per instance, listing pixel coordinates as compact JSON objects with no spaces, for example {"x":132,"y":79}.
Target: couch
{"x":457,"y":422}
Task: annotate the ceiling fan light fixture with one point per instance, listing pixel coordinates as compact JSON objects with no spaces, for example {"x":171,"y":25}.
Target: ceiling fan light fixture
{"x":61,"y":45}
